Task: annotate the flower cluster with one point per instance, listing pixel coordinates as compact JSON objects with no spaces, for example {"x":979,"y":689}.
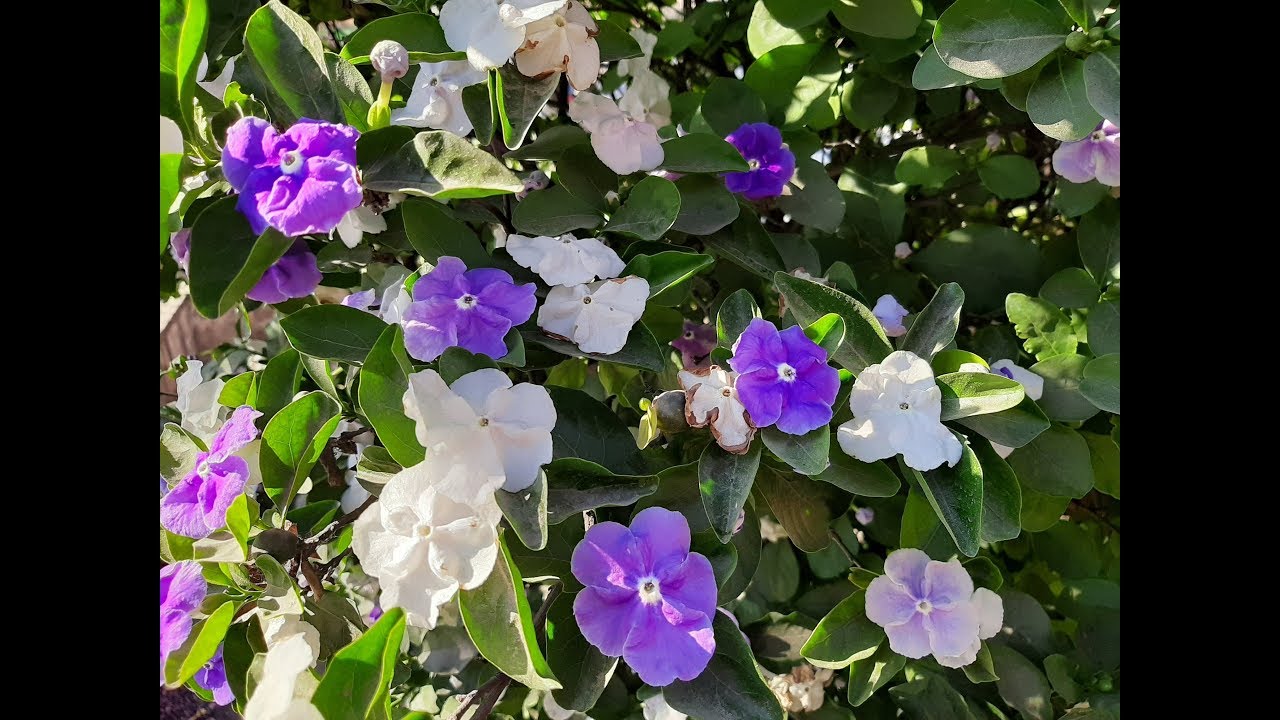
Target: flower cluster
{"x":544,"y":37}
{"x":623,"y":142}
{"x":198,"y":504}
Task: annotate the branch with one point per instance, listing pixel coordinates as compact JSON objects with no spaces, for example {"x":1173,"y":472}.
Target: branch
{"x":334,"y":529}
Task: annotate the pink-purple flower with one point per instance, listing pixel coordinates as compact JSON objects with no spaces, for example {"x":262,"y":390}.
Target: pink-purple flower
{"x":783,"y":378}
{"x":182,"y":589}
{"x":471,"y":309}
{"x":180,"y":247}
{"x":294,"y":275}
{"x":198,"y":504}
{"x":695,"y":344}
{"x":302,"y":181}
{"x":647,"y":598}
{"x":772,"y":162}
{"x":213,"y":677}
{"x":1096,"y":156}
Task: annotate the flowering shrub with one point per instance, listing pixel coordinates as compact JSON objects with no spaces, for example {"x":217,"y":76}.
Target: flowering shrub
{"x":644,"y":358}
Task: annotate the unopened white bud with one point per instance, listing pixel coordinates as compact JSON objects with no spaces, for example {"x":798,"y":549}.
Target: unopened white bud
{"x":390,"y":59}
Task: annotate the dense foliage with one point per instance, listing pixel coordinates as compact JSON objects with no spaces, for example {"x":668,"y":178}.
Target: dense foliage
{"x":644,"y":358}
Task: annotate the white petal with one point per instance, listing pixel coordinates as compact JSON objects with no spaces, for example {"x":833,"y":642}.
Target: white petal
{"x":584,"y":58}
{"x":1031,"y":383}
{"x":536,"y":9}
{"x":274,"y":695}
{"x":972,"y":368}
{"x":202,"y":414}
{"x":475,"y":387}
{"x":433,"y":406}
{"x":591,"y":111}
{"x":930,"y":445}
{"x":520,"y":423}
{"x":656,"y":708}
{"x":565,"y":260}
{"x":217,"y":87}
{"x":559,"y":312}
{"x":281,"y":628}
{"x":616,"y":306}
{"x":990,"y":612}
{"x":863,"y":439}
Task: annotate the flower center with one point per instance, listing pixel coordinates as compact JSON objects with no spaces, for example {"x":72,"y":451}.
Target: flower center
{"x":786,"y":373}
{"x":586,"y":300}
{"x":484,"y":422}
{"x":559,"y":21}
{"x":1098,"y":135}
{"x":727,"y":392}
{"x":203,"y":468}
{"x":435,"y":81}
{"x":566,"y":240}
{"x":753,"y":164}
{"x":291,"y":162}
{"x":423,"y":531}
{"x":1006,"y":372}
{"x":924,"y":606}
{"x":688,"y":335}
{"x":466,"y":302}
{"x":650,"y":592}
{"x":904,"y":406}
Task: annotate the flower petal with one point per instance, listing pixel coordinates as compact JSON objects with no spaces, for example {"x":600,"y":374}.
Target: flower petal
{"x":906,"y":566}
{"x":662,"y":651}
{"x":606,"y":619}
{"x":947,"y":584}
{"x":609,"y":558}
{"x":889,"y":603}
{"x":952,"y":632}
{"x":663,"y":537}
{"x":1074,"y":160}
{"x":909,"y":639}
{"x":990,"y":609}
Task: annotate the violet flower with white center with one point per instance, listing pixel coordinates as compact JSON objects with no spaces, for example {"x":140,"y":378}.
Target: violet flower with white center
{"x":182,"y":589}
{"x":294,"y":275}
{"x":647,"y":598}
{"x":565,"y":260}
{"x":213,"y":677}
{"x":597,"y":316}
{"x":695,"y":344}
{"x":926,"y":606}
{"x":623,"y":143}
{"x":1095,"y":157}
{"x":198,"y":504}
{"x":784,"y":378}
{"x":563,"y":42}
{"x":436,"y":99}
{"x":890,"y":314}
{"x":771,"y":162}
{"x":472,"y":309}
{"x":711,"y":399}
{"x":301,"y":181}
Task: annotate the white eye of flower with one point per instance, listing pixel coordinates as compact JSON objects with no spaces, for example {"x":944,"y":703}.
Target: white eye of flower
{"x":466,"y":302}
{"x":786,"y":373}
{"x":1098,"y":135}
{"x":727,"y":392}
{"x":924,"y":606}
{"x":586,"y":300}
{"x":291,"y":162}
{"x":650,"y":591}
{"x":904,"y":406}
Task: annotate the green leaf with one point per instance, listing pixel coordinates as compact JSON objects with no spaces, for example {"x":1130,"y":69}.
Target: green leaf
{"x":735,"y":314}
{"x":779,"y":574}
{"x":987,"y":261}
{"x":551,"y":144}
{"x":1046,"y":329}
{"x":729,"y":103}
{"x":360,"y":673}
{"x":747,"y":545}
{"x":1085,"y":12}
{"x":701,"y":153}
{"x":498,"y":620}
{"x":200,"y":646}
{"x":440,"y":165}
{"x":582,"y":668}
{"x":227,"y":259}
{"x":434,"y":232}
{"x":526,"y":512}
{"x":879,"y":18}
{"x":383,"y":384}
{"x":1021,"y":684}
{"x":706,"y":205}
{"x":1056,"y":463}
{"x":481,"y":109}
{"x":965,"y":394}
{"x":955,"y":493}
{"x":587,"y":430}
{"x":674,"y":39}
{"x":1001,"y":496}
{"x":293,"y":441}
{"x":1070,"y":288}
{"x":929,"y":165}
{"x":814,"y":200}
{"x":575,"y":485}
{"x":178,"y":451}
{"x":649,"y":211}
{"x":747,"y":245}
{"x":932,"y":73}
{"x":935,"y":326}
{"x":949,"y":361}
{"x":844,"y":636}
{"x":807,"y":453}
{"x":1102,"y":83}
{"x":996,"y":38}
{"x":864,"y":343}
{"x":554,"y":212}
{"x":859,"y":478}
{"x":794,"y":81}
{"x":170,"y":184}
{"x":184,"y":25}
{"x":278,"y":383}
{"x":1099,"y":242}
{"x":333,"y":332}
{"x":827,"y":332}
{"x":1010,"y":177}
{"x":1101,"y":384}
{"x":731,"y":687}
{"x":1113,"y":25}
{"x":520,"y":99}
{"x":1062,"y":399}
{"x":790,"y":27}
{"x":981,"y":670}
{"x":1075,"y":199}
{"x":1104,"y":328}
{"x":800,"y":504}
{"x":417,"y":32}
{"x":868,"y":675}
{"x":725,"y":481}
{"x":456,"y":362}
{"x":1105,"y":455}
{"x":1058,"y":104}
{"x":1060,"y":671}
{"x":581,"y":173}
{"x":1014,"y":427}
{"x":865,"y":99}
{"x":930,"y":697}
{"x":667,"y":269}
{"x":283,"y":67}
{"x":351,"y":89}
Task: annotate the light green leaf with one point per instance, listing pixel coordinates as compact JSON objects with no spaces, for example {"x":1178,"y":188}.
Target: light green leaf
{"x":278,"y":383}
{"x":1058,"y":104}
{"x":1070,"y":288}
{"x":1010,"y":177}
{"x":879,"y":18}
{"x":1056,"y":463}
{"x":965,"y":394}
{"x":417,"y":32}
{"x":283,"y":67}
{"x":615,"y":44}
{"x":932,"y":73}
{"x":184,"y":25}
{"x":170,"y":184}
{"x":868,"y":675}
{"x":794,"y":81}
{"x":865,"y":342}
{"x":667,"y":269}
{"x":766,"y":32}
{"x":844,"y":636}
{"x":649,"y":211}
{"x":178,"y":451}
{"x":1101,"y":384}
{"x":996,"y":38}
{"x":701,"y":153}
{"x":935,"y":326}
{"x":1046,"y":329}
{"x":729,"y":103}
{"x":383,"y":384}
{"x":928,"y":165}
{"x":1102,"y":83}
{"x":1062,"y":399}
{"x":293,"y":441}
{"x":361,"y":673}
{"x":200,"y":646}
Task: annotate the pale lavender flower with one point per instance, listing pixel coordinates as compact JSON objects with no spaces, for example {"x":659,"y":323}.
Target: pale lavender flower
{"x":784,"y":378}
{"x":695,"y":344}
{"x":362,"y":300}
{"x":772,"y":163}
{"x":993,"y":141}
{"x":890,"y":314}
{"x":647,"y":598}
{"x":864,"y":515}
{"x":902,"y":251}
{"x":471,"y":309}
{"x":198,"y":504}
{"x":213,"y":677}
{"x":182,"y":588}
{"x":1097,"y":156}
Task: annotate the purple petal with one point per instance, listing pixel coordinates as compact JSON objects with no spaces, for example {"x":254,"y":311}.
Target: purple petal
{"x":223,"y":484}
{"x":610,"y":558}
{"x":294,"y":275}
{"x":514,"y":302}
{"x":806,"y":402}
{"x":798,"y":346}
{"x":888,"y":603}
{"x":446,"y":279}
{"x":361,"y":300}
{"x":761,"y":394}
{"x":429,"y":330}
{"x":234,"y":434}
{"x":759,"y":346}
{"x":213,"y":677}
{"x":175,"y":626}
{"x":906,"y":566}
{"x":947,"y":584}
{"x":1106,"y":162}
{"x":670,"y":642}
{"x":180,"y":511}
{"x":606,"y":619}
{"x":180,"y":247}
{"x":315,"y":201}
{"x":951,"y":632}
{"x":691,"y":583}
{"x":481,"y":329}
{"x":1074,"y":160}
{"x":258,"y":184}
{"x":909,"y":639}
{"x":182,"y":586}
{"x":314,"y":138}
{"x":247,"y":146}
{"x":663,"y":539}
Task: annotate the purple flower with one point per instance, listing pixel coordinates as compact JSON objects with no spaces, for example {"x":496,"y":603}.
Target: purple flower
{"x":890,"y":313}
{"x":375,"y":613}
{"x":472,"y":309}
{"x":926,"y":606}
{"x":294,"y":275}
{"x":784,"y":378}
{"x":695,"y":344}
{"x":303,"y":181}
{"x":180,"y":247}
{"x":213,"y":677}
{"x":647,"y":598}
{"x":864,"y":515}
{"x":1097,"y":156}
{"x":361,"y":300}
{"x":198,"y":504}
{"x":182,"y":588}
{"x":772,"y":163}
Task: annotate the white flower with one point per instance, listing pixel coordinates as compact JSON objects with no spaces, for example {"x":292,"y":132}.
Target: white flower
{"x":170,"y":137}
{"x":436,"y":99}
{"x":279,"y":695}
{"x":501,"y":434}
{"x":358,"y":221}
{"x":623,"y":144}
{"x":631,"y":66}
{"x":1032,"y":384}
{"x":423,"y":545}
{"x":537,"y":180}
{"x":202,"y":415}
{"x":801,"y":690}
{"x":390,"y":59}
{"x":902,"y":251}
{"x":563,"y":42}
{"x":281,"y":628}
{"x":897,"y":408}
{"x":656,"y":708}
{"x":772,"y":531}
{"x":710,"y":397}
{"x":216,"y":87}
{"x":565,"y":260}
{"x":990,"y":618}
{"x":993,"y":141}
{"x":647,"y":99}
{"x":599,"y":316}
{"x":890,"y":314}
{"x":491,"y":30}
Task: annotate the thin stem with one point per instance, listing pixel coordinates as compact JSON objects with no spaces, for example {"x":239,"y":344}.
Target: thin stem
{"x":331,"y":533}
{"x":843,"y":548}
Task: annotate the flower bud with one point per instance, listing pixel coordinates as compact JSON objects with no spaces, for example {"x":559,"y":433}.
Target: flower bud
{"x":1095,"y":34}
{"x":669,"y":409}
{"x":1077,"y":41}
{"x":390,"y":59}
{"x":379,"y":115}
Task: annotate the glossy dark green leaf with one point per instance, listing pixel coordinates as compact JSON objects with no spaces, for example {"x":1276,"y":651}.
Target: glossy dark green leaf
{"x":359,"y":674}
{"x":581,"y":173}
{"x":1101,"y":383}
{"x":864,"y":341}
{"x":799,"y":503}
{"x":794,"y":81}
{"x":526,"y":512}
{"x":1070,"y":288}
{"x":227,"y":259}
{"x":1102,"y":82}
{"x":868,"y":675}
{"x":729,"y":103}
{"x":930,"y":697}
{"x":1001,"y":495}
{"x":667,"y":269}
{"x":879,"y":18}
{"x":859,"y":478}
{"x":725,"y":481}
{"x":1062,"y":399}
{"x":1057,"y":102}
{"x":935,"y":326}
{"x":293,"y":441}
{"x":1099,"y":242}
{"x":735,"y":314}
{"x":417,"y":32}
{"x":440,"y":165}
{"x":1104,"y":328}
{"x":649,"y":211}
{"x":955,"y":493}
{"x":928,"y":165}
{"x":814,"y":200}
{"x":640,"y":351}
{"x":1056,"y":463}
{"x":434,"y":232}
{"x":844,"y":636}
{"x":481,"y":109}
{"x":574,"y":485}
{"x":748,"y":245}
{"x":705,"y":205}
{"x":931,"y":73}
{"x":807,"y":453}
{"x":987,"y":261}
{"x":333,"y":332}
{"x":587,"y":430}
{"x":283,"y":66}
{"x":550,"y":143}
{"x":554,"y":212}
{"x":1014,"y":427}
{"x":351,"y":90}
{"x":1021,"y":684}
{"x":383,"y":383}
{"x":520,"y":99}
{"x":701,"y":153}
